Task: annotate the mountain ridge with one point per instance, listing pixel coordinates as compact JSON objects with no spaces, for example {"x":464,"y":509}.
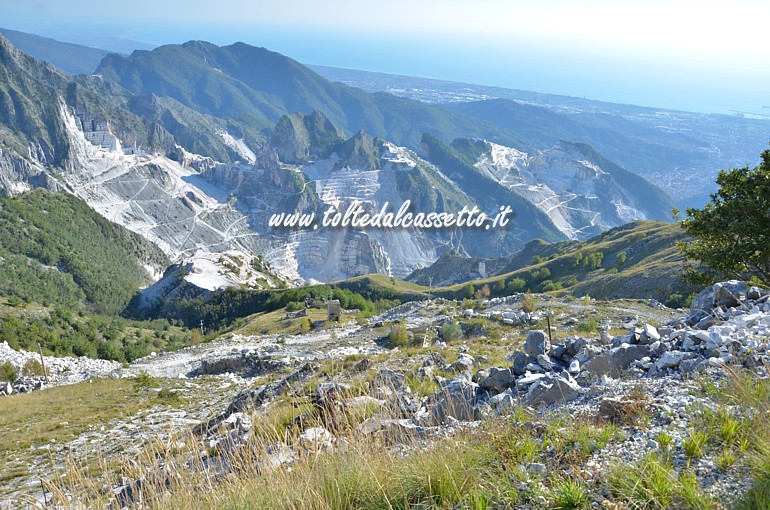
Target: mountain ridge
{"x":133,"y":170}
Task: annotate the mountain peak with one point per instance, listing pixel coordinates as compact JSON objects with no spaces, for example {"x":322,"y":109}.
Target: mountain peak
{"x":298,"y":138}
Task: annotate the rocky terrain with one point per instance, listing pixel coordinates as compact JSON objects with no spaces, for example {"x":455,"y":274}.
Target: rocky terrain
{"x":642,"y":360}
{"x":198,"y":185}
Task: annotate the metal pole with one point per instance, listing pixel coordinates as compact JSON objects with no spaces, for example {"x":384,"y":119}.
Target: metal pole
{"x":548,"y":320}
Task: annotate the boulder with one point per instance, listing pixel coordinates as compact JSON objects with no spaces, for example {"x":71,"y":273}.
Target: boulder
{"x":498,"y":380}
{"x":546,"y":362}
{"x":537,"y":343}
{"x":671,"y":359}
{"x":362,"y":365}
{"x":464,"y":362}
{"x":649,"y":334}
{"x":549,"y":390}
{"x":730,"y":293}
{"x":528,"y":380}
{"x":576,"y":345}
{"x":393,"y":431}
{"x":703,"y":301}
{"x":387,"y":378}
{"x":615,"y":361}
{"x":520,"y":361}
{"x":434,"y":359}
{"x":455,"y":400}
{"x":689,"y":366}
{"x":756,"y":293}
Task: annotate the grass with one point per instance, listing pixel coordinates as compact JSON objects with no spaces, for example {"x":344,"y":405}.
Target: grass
{"x":62,"y":413}
{"x":695,"y":444}
{"x":569,"y":495}
{"x":653,"y":483}
{"x":277,"y":323}
{"x":32,"y":421}
{"x":652,"y":270}
{"x":474,"y":468}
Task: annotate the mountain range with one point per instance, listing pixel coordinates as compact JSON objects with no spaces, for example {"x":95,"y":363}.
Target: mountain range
{"x":196,"y":146}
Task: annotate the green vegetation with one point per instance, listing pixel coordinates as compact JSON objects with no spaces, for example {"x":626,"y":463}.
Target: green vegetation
{"x":223,"y":309}
{"x":64,"y":412}
{"x":652,"y":267}
{"x":8,"y":372}
{"x":653,"y":483}
{"x":451,"y":331}
{"x":399,"y":336}
{"x":58,"y":250}
{"x":731,"y":234}
{"x":64,"y":333}
{"x":71,"y":58}
{"x":570,"y":494}
{"x":472,"y":469}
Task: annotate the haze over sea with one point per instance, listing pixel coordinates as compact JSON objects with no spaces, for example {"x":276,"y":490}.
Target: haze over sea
{"x":701,"y":80}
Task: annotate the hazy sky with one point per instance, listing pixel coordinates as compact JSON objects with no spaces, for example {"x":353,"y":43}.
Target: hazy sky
{"x":701,"y":55}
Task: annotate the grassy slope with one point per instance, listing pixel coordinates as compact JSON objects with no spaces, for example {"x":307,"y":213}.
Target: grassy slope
{"x":59,"y":250}
{"x":652,"y":268}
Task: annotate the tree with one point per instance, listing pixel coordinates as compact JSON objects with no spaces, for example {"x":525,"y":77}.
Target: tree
{"x":730,"y":236}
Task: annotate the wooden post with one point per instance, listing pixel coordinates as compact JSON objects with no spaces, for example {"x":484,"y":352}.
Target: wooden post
{"x":548,"y":320}
{"x":42,"y":362}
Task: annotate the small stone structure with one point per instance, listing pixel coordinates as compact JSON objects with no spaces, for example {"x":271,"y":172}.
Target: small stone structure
{"x":333,"y":309}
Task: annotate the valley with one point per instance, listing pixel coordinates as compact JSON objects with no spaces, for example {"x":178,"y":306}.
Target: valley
{"x":167,"y":341}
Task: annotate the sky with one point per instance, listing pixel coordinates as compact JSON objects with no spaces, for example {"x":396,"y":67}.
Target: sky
{"x":701,"y":56}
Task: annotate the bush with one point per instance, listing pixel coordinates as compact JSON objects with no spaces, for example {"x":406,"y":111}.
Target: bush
{"x":588,"y":326}
{"x":468,"y":291}
{"x":528,"y":303}
{"x":32,"y":368}
{"x":399,"y":336}
{"x":451,"y":332}
{"x":8,"y":372}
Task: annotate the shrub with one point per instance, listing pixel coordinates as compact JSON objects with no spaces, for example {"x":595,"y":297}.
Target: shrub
{"x":399,"y":336}
{"x":293,"y":307}
{"x":33,"y":368}
{"x":451,"y":331}
{"x":588,"y":326}
{"x":528,"y":304}
{"x":548,"y":286}
{"x":143,"y":380}
{"x":8,"y":372}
